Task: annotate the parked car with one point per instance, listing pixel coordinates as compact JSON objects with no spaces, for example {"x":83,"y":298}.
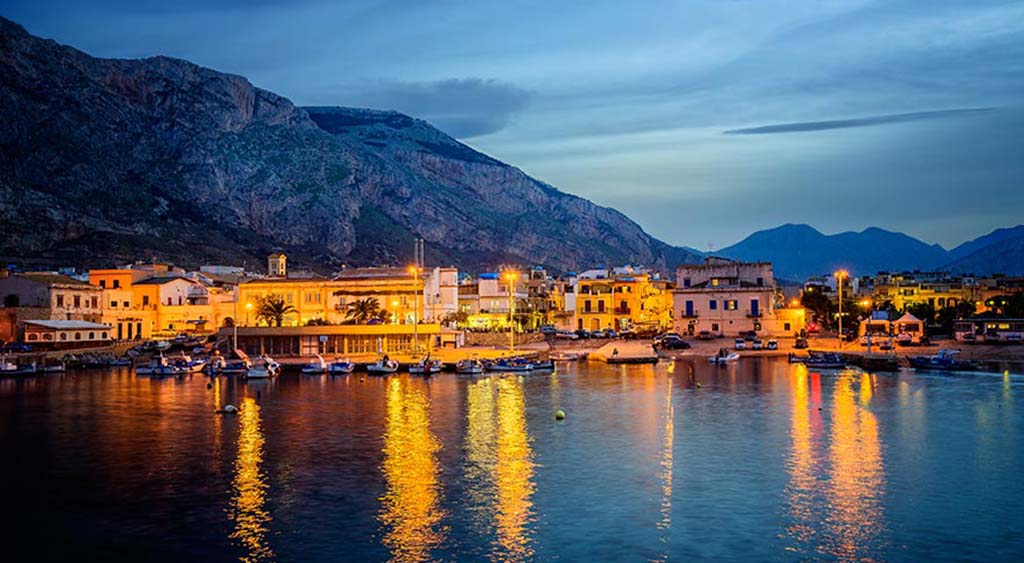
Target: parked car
{"x":800,"y":344}
{"x":772,"y":344}
{"x":548,"y":329}
{"x":749,"y":335}
{"x":17,"y":347}
{"x":673,"y":344}
{"x":609,"y":333}
{"x":565,"y":334}
{"x":969,"y":338}
{"x":706,"y":335}
{"x":581,"y":333}
{"x":740,"y":344}
{"x":757,"y":344}
{"x":665,"y":335}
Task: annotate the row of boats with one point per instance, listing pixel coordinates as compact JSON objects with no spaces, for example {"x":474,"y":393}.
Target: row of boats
{"x":943,"y":360}
{"x":428,"y":366}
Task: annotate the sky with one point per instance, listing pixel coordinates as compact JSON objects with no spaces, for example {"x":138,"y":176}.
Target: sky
{"x":703,"y":120}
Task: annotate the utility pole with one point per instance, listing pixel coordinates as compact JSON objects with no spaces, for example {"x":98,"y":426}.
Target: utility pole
{"x":415,"y":270}
{"x":839,"y":276}
{"x":510,"y":277}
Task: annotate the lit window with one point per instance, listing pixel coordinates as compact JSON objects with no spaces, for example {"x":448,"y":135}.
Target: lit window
{"x":730,"y":304}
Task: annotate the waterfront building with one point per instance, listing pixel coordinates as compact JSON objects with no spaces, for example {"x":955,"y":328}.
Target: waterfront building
{"x":989,"y":327}
{"x":45,"y":296}
{"x":937,"y":289}
{"x":62,"y":334}
{"x":727,"y":297}
{"x":622,"y":299}
{"x":342,"y":340}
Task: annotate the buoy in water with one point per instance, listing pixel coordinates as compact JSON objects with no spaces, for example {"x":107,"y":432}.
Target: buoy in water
{"x":559,"y":414}
{"x":228,"y":409}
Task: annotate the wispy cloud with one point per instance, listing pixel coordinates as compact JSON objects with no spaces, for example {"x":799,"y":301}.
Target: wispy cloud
{"x":804,"y":126}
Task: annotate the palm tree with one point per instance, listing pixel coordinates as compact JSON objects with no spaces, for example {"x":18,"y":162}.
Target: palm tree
{"x":272,"y":309}
{"x":361,"y":311}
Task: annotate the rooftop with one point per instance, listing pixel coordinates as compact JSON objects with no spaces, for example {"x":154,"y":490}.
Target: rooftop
{"x":69,"y":325}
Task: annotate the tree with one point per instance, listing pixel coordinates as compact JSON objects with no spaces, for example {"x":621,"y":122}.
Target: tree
{"x":923,"y":310}
{"x":946,"y":315}
{"x":362,"y":311}
{"x":272,"y":309}
{"x":819,"y":304}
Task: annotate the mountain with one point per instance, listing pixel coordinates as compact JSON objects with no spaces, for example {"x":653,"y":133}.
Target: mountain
{"x":995,"y":237}
{"x":104,"y":159}
{"x":1002,"y":254}
{"x":801,"y":251}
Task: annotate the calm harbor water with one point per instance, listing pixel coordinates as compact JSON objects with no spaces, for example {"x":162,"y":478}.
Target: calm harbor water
{"x":762,"y":462}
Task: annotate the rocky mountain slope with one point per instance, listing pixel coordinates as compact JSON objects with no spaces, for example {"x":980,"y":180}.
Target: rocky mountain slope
{"x":159,"y":158}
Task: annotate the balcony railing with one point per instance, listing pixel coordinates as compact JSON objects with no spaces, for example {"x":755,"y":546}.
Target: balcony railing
{"x":684,"y":314}
{"x":755,"y":314}
{"x":623,"y":311}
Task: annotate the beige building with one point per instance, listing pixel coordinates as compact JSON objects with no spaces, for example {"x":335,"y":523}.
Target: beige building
{"x":727,"y":297}
{"x":46,"y":296}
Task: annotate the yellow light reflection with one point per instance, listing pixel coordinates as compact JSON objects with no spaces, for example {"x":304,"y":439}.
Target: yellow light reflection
{"x":801,"y":463}
{"x":513,"y":475}
{"x":665,"y":475}
{"x":249,"y":512}
{"x":410,"y":508}
{"x":855,"y":519}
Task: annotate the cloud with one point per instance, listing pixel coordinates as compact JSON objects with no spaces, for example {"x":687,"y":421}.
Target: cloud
{"x":804,"y":126}
{"x":463,"y":108}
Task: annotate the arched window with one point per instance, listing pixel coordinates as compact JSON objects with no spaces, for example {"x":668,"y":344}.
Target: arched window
{"x":92,"y":336}
{"x":33,"y":336}
{"x":78,"y":336}
{"x":104,"y":335}
{"x":47,"y":336}
{"x":63,"y":336}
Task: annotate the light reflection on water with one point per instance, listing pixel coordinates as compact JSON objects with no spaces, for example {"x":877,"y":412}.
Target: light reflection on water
{"x":248,"y":507}
{"x":757,"y":461}
{"x":411,"y":512}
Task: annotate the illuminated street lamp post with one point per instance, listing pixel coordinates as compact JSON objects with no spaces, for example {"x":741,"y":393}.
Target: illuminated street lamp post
{"x":416,"y":307}
{"x":839,"y":276}
{"x":511,"y":279}
{"x":248,"y":309}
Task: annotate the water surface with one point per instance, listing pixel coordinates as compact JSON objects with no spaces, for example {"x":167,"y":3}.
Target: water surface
{"x":761,"y":461}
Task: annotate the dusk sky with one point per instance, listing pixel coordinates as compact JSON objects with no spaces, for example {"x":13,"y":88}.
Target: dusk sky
{"x":701,"y":120}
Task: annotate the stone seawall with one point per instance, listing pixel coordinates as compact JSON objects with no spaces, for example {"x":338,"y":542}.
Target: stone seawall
{"x":500,"y":339}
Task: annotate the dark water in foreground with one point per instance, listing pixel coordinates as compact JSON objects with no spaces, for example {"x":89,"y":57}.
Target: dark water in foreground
{"x":764,"y":462}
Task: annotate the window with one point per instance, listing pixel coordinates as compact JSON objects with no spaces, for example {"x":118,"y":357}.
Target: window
{"x":32,"y":336}
{"x":92,"y":336}
{"x":714,"y":327}
{"x":600,"y":306}
{"x":104,"y":335}
{"x":95,"y":303}
{"x":113,"y":304}
{"x":63,"y":336}
{"x":586,"y":306}
{"x":714,"y":282}
{"x":78,"y":336}
{"x":713,"y":305}
{"x":785,"y":327}
{"x":103,"y":284}
{"x":117,"y":284}
{"x":145,"y":300}
{"x":730,"y":304}
{"x":78,"y":301}
{"x":127,"y":304}
{"x":686,"y":282}
{"x":760,"y":282}
{"x":60,"y":300}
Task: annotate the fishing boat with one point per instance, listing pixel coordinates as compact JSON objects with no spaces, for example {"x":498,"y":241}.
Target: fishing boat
{"x":723,"y":357}
{"x":517,"y":365}
{"x":565,"y":356}
{"x":187,"y":363}
{"x":54,"y":368}
{"x":340,"y":366}
{"x":216,"y":365}
{"x":469,"y":366}
{"x":263,"y":367}
{"x":316,"y":367}
{"x":820,"y":360}
{"x":383,"y":366}
{"x":235,"y":367}
{"x":426,"y":366}
{"x":546,"y":365}
{"x":943,"y":360}
{"x":160,"y":366}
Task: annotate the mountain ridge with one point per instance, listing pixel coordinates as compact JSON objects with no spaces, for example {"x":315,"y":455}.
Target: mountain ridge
{"x":117,"y":159}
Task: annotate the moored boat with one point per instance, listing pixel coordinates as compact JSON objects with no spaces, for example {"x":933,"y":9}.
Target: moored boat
{"x":820,"y":360}
{"x":943,"y":360}
{"x":565,"y":356}
{"x":426,"y":366}
{"x":723,"y":357}
{"x":161,"y":366}
{"x":263,"y":367}
{"x":469,"y":366}
{"x":316,"y":367}
{"x":383,"y":366}
{"x":510,"y":364}
{"x":340,"y":366}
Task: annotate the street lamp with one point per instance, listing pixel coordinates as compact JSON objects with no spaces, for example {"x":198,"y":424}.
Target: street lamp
{"x":248,"y":309}
{"x":416,"y":307}
{"x":510,"y":277}
{"x":839,"y":276}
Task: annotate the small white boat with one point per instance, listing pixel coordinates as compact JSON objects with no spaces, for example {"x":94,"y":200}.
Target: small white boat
{"x":426,"y":366}
{"x":263,"y":367}
{"x":382,"y":367}
{"x":54,"y":368}
{"x":340,"y":367}
{"x":317,"y":367}
{"x":469,"y":366}
{"x":723,"y":357}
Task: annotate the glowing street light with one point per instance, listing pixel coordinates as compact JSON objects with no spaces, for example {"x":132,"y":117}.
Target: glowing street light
{"x":416,"y":307}
{"x":248,"y":309}
{"x":839,"y":276}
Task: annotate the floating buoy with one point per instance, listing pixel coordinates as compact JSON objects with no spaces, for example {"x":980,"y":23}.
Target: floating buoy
{"x":209,"y":385}
{"x":559,"y":414}
{"x":228,"y":409}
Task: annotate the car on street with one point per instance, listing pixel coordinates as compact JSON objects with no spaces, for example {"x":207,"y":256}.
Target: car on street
{"x":706,"y":335}
{"x":800,"y":344}
{"x":772,"y":345}
{"x":757,"y":344}
{"x":740,"y":344}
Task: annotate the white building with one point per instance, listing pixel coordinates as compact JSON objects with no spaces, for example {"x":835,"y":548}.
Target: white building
{"x":727,"y":298}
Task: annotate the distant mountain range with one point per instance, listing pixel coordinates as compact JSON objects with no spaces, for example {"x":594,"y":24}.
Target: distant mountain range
{"x":105,"y":160}
{"x":801,"y":251}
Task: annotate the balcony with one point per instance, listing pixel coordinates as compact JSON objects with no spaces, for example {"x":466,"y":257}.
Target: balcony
{"x":689,"y":315}
{"x":623,"y":311}
{"x":755,"y":314}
